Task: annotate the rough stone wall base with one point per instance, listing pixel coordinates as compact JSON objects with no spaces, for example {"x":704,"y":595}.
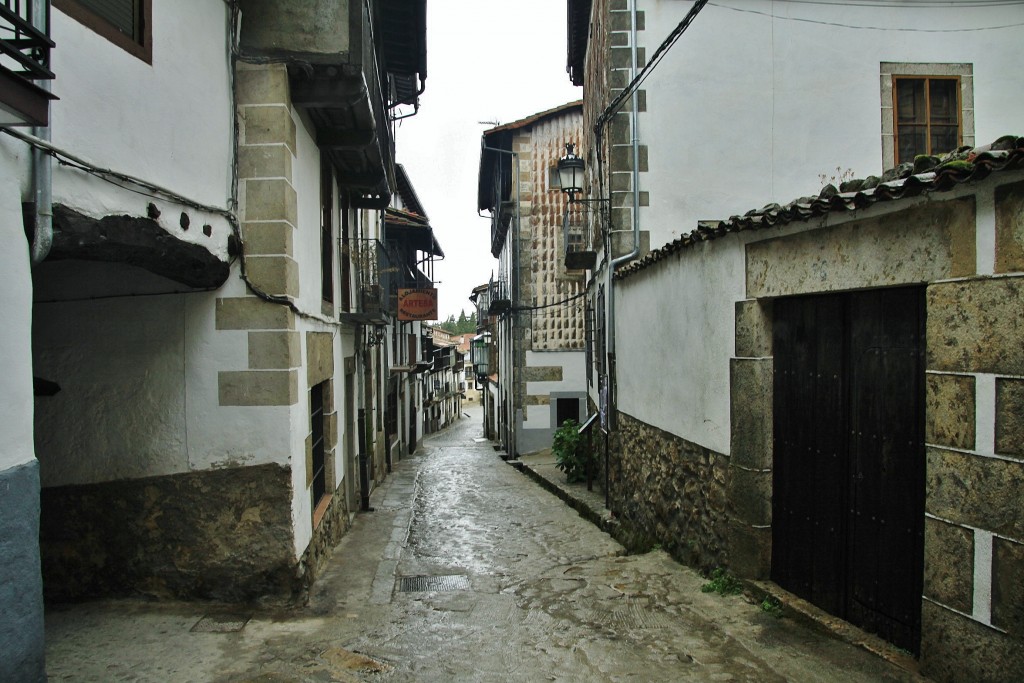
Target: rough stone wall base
{"x":671,"y":492}
{"x":221,"y":534}
{"x":335,"y":523}
{"x":21,"y":590}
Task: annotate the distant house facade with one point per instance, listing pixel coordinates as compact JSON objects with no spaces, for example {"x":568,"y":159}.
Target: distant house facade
{"x":873,"y":287}
{"x":537,"y":300}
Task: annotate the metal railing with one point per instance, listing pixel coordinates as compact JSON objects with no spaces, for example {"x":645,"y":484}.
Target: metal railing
{"x":579,"y":235}
{"x":380,"y":271}
{"x":24,"y":39}
{"x":375,"y":268}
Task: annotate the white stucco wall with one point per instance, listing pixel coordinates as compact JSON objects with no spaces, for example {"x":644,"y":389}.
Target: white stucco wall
{"x":169,"y":122}
{"x":150,"y":364}
{"x":16,"y":310}
{"x":669,"y":375}
{"x":746,"y":110}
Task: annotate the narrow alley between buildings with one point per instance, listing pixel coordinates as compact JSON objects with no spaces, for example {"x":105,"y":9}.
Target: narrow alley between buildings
{"x":466,"y":570}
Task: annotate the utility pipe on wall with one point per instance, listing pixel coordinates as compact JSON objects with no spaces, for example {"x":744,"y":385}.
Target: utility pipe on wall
{"x":42,"y":169}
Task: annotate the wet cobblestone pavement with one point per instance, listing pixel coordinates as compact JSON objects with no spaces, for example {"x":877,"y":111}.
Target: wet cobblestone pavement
{"x":467,"y":570}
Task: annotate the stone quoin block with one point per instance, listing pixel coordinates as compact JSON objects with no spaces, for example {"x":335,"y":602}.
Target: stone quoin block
{"x":955,"y":648}
{"x":265,"y":125}
{"x":271,"y":200}
{"x":977,"y":326}
{"x":1010,"y":417}
{"x":274,"y":350}
{"x":276,"y":275}
{"x":1008,"y":586}
{"x":949,"y":564}
{"x":750,"y":550}
{"x":751,"y":406}
{"x":544,"y":373}
{"x":538,"y":400}
{"x":949,"y":412}
{"x":981,"y":492}
{"x":251,"y":313}
{"x":266,"y":84}
{"x":258,"y":387}
{"x":265,"y":161}
{"x":750,"y":493}
{"x":925,"y":243}
{"x":1010,"y":228}
{"x":268,"y":238}
{"x":319,"y":357}
{"x":753,"y":329}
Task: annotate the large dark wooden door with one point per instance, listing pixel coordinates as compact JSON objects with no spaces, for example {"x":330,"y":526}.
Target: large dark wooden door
{"x":848,"y":500}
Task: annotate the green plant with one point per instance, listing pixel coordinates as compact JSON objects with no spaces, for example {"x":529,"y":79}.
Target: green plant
{"x":723,"y":583}
{"x":570,"y":457}
{"x":771,"y":606}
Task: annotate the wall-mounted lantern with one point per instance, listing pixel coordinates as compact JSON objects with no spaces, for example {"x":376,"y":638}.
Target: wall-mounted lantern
{"x":480,"y":354}
{"x":570,"y":171}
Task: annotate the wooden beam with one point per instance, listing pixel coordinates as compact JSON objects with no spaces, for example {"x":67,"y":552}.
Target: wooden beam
{"x":134,"y":241}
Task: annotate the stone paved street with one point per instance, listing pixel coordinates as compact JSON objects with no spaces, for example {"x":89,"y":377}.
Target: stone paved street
{"x":520,"y":588}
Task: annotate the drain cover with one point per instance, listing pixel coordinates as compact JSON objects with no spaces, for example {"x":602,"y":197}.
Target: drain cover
{"x":424,"y":584}
{"x":221,"y":623}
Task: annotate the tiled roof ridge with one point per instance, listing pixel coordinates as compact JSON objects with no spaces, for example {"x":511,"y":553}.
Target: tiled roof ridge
{"x":926,"y":174}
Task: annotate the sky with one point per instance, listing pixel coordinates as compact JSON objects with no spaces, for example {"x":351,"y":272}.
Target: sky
{"x":487,"y":61}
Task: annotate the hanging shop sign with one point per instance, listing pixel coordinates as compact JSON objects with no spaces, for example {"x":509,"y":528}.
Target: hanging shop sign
{"x":417,"y":304}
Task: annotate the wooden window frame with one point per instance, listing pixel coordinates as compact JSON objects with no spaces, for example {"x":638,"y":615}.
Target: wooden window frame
{"x":889,"y":72}
{"x":319,"y":488}
{"x":142,"y":48}
{"x":896,"y":79}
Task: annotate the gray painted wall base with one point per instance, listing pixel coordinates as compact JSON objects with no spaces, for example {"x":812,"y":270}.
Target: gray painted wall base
{"x":21,"y":581}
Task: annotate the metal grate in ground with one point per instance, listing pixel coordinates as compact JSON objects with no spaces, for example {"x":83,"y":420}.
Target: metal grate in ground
{"x":221,"y":623}
{"x":424,"y":584}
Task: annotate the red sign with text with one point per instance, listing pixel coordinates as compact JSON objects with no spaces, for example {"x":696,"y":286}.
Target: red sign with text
{"x":417,"y":304}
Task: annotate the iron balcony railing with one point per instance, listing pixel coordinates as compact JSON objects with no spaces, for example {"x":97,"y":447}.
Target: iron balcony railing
{"x":578,"y":234}
{"x":24,"y":39}
{"x":375,"y":267}
{"x":380,"y":271}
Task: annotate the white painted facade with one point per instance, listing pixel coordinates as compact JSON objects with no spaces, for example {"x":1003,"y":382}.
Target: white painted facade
{"x":758,"y":98}
{"x":730,"y":125}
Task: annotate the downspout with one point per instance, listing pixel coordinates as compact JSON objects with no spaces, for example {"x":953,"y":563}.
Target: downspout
{"x":42,"y":169}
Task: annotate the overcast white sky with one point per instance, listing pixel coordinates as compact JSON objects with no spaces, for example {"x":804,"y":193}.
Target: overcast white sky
{"x":487,"y":60}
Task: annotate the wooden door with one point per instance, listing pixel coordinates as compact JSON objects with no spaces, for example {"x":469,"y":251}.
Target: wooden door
{"x":848,"y":500}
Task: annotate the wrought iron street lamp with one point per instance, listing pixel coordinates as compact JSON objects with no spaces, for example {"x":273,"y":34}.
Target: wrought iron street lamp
{"x":570,"y":172}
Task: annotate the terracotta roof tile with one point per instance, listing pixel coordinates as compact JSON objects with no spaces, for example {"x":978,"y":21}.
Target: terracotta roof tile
{"x":925,"y":175}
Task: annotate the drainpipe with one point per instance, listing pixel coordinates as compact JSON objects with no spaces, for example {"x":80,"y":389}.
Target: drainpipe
{"x":42,"y":175}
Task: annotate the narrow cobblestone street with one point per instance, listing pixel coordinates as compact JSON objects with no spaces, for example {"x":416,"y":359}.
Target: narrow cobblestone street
{"x":466,"y":571}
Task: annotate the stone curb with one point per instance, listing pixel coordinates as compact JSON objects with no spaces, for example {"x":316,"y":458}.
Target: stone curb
{"x":599,"y":518}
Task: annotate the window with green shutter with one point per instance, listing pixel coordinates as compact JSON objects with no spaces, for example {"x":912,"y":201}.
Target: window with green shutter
{"x":125,"y":23}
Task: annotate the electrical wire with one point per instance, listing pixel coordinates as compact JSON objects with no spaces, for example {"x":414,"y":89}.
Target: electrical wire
{"x":652,"y":63}
{"x":551,"y":305}
{"x":864,"y":28}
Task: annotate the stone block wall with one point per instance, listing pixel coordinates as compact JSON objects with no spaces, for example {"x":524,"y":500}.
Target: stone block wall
{"x":973,"y":608}
{"x":222,"y":535}
{"x":671,"y":492}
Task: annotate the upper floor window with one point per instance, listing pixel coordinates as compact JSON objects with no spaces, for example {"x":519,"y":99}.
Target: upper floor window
{"x":926,"y":109}
{"x":126,"y":23}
